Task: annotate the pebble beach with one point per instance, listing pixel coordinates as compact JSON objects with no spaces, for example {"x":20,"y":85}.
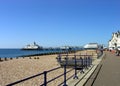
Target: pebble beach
{"x":18,"y":69}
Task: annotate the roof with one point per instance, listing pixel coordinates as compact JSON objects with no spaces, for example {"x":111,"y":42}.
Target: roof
{"x":91,"y":46}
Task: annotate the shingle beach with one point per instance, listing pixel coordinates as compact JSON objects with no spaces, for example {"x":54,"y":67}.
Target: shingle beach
{"x":18,"y":69}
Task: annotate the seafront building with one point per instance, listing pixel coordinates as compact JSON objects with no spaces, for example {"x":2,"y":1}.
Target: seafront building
{"x":91,"y":46}
{"x":114,"y":41}
{"x":94,"y":46}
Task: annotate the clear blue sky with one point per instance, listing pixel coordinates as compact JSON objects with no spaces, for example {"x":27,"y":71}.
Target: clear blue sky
{"x":57,"y":22}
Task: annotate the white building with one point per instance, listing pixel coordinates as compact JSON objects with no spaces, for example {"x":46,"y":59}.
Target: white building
{"x":91,"y":46}
{"x":115,"y":40}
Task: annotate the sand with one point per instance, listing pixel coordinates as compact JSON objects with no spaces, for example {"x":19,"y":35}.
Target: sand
{"x":18,"y":69}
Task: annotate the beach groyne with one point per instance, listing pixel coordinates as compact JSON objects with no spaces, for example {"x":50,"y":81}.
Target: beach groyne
{"x":33,"y":55}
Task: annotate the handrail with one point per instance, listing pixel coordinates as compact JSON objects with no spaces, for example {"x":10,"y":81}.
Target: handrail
{"x":53,"y":69}
{"x":67,"y":79}
{"x":86,"y":62}
{"x":24,"y":79}
{"x":57,"y":77}
{"x":31,"y":77}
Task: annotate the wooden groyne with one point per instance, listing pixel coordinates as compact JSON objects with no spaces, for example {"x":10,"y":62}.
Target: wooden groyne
{"x":35,"y":56}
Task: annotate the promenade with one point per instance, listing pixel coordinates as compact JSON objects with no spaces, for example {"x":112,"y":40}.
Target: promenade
{"x":107,"y":73}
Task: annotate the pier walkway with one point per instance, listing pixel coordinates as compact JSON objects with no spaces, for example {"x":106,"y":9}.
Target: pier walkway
{"x":107,"y":73}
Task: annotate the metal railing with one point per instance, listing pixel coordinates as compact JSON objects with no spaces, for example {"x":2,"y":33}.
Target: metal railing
{"x":79,"y":64}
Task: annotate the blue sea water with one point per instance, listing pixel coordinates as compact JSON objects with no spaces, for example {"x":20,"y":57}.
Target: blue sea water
{"x":18,"y":52}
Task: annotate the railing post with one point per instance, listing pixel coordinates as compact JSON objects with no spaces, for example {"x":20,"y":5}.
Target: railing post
{"x":82,"y":64}
{"x":65,"y":76}
{"x":91,"y":61}
{"x":86,"y":63}
{"x":45,"y":78}
{"x":66,"y":59}
{"x":75,"y":76}
{"x":59,"y":58}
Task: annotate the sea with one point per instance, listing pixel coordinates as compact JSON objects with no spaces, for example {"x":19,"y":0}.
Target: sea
{"x":19,"y":52}
{"x":8,"y":53}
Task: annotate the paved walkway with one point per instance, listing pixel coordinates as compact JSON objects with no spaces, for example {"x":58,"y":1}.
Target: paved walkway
{"x":109,"y":74}
{"x":82,"y":78}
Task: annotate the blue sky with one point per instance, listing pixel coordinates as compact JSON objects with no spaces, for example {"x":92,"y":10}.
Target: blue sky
{"x":57,"y":22}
